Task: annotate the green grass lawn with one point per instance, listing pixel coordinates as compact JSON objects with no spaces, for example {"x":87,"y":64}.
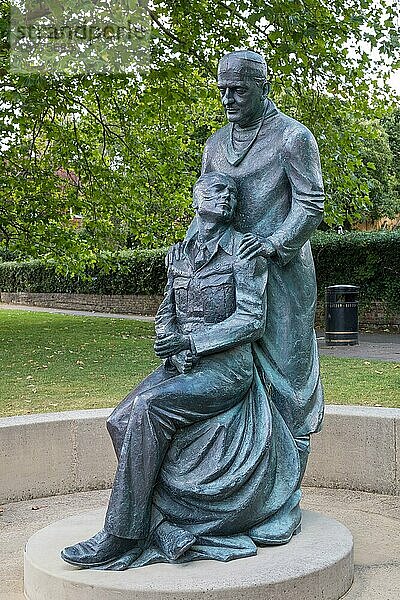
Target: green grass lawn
{"x":53,"y":362}
{"x":362,"y":382}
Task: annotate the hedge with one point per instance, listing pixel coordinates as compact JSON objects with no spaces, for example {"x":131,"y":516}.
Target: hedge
{"x":370,"y":260}
{"x":132,"y":272}
{"x":7,"y":255}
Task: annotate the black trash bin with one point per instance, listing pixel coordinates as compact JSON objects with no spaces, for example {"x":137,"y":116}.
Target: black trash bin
{"x":341,"y":315}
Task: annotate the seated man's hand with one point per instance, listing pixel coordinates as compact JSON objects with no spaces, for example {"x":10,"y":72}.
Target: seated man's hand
{"x":190,"y":361}
{"x":171,"y":344}
{"x":251,"y":246}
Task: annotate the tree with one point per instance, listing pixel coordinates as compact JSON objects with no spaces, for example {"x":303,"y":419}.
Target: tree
{"x":391,"y":125}
{"x":383,"y":179}
{"x":135,"y":144}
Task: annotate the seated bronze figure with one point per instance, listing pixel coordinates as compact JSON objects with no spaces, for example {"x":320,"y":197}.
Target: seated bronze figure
{"x":198,"y":466}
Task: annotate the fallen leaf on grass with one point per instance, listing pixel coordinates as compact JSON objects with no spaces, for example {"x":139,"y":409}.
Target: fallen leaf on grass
{"x":38,"y":507}
{"x":379,"y":372}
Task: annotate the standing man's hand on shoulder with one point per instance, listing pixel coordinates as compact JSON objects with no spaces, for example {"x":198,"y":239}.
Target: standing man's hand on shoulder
{"x":251,"y":246}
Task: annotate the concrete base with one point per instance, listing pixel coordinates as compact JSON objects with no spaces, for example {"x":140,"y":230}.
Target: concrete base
{"x":316,"y":565}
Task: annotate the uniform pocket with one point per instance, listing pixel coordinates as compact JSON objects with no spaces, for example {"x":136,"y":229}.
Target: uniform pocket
{"x":218,"y":293}
{"x":181,"y":286}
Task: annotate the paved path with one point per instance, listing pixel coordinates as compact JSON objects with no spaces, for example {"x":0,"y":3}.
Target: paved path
{"x":77,"y":313}
{"x":373,"y":519}
{"x":373,"y":346}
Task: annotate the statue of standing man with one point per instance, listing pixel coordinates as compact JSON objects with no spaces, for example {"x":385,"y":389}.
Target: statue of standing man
{"x":275,"y":163}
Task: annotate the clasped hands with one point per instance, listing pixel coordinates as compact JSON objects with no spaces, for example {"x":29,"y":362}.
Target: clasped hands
{"x":251,"y":246}
{"x":173,"y":343}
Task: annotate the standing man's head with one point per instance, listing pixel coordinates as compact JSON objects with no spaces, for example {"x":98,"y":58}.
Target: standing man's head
{"x":242,"y":82}
{"x":215,"y":197}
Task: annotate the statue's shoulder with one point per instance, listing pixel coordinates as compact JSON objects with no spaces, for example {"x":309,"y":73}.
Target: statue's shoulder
{"x":213,"y":147}
{"x":294,"y":132}
{"x":220,"y":135}
{"x":245,"y":267}
{"x":237,"y":237}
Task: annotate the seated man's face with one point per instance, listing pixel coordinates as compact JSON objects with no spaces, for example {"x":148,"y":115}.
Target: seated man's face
{"x":215,"y":203}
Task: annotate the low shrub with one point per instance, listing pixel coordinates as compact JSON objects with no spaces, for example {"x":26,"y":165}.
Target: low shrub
{"x":370,"y":260}
{"x":131,"y":272}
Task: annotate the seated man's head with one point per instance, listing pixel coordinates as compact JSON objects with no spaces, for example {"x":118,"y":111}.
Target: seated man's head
{"x":215,"y":197}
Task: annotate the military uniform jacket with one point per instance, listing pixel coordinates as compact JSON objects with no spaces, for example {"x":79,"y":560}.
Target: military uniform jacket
{"x":221,"y":304}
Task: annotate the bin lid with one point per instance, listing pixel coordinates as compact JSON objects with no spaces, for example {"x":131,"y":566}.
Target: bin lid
{"x":343,"y":288}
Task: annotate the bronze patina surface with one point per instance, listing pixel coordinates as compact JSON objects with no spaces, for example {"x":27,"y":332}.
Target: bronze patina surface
{"x":213,"y":445}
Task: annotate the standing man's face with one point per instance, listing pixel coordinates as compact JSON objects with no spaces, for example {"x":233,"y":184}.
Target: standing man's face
{"x":242,"y":98}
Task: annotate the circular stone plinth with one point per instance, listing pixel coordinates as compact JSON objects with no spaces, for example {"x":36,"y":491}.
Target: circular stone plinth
{"x":317,"y":564}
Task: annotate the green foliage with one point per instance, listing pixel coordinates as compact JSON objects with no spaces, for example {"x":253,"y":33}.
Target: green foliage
{"x":383,"y":180}
{"x":7,"y":255}
{"x":392,"y":128}
{"x":370,"y":260}
{"x":123,"y":152}
{"x":128,"y":272}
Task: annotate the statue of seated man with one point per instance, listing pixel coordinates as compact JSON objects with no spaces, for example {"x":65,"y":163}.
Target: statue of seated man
{"x":214,"y":307}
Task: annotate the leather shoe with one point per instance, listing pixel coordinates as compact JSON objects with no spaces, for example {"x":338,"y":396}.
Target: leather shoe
{"x":98,"y":550}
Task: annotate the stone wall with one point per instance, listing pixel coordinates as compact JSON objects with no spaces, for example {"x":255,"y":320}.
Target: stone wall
{"x":59,"y":453}
{"x":129,"y":304}
{"x":376,"y":315}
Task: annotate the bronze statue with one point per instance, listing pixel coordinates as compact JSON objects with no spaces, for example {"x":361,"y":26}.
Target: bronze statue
{"x":275,"y":163}
{"x":212,"y":446}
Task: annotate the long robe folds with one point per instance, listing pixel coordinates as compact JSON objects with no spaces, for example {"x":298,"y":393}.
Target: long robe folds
{"x":281,"y":198}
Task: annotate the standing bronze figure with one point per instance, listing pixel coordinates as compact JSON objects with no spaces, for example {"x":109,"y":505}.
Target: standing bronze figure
{"x":213,"y":445}
{"x":275,"y":163}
